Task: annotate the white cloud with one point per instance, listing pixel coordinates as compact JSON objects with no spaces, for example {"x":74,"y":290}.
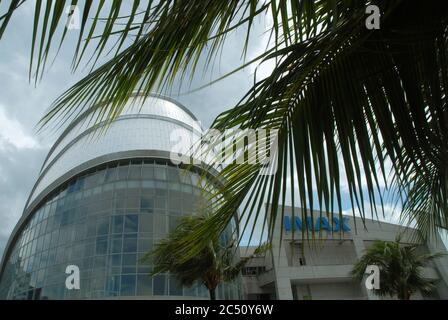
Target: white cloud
{"x":264,"y":69}
{"x":13,"y":133}
{"x":391,"y":212}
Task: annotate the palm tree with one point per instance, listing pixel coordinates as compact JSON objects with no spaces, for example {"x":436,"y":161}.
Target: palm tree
{"x":216,"y":262}
{"x":347,"y":101}
{"x":400,"y":268}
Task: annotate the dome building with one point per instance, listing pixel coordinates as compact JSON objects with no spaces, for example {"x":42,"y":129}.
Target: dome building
{"x":102,"y":200}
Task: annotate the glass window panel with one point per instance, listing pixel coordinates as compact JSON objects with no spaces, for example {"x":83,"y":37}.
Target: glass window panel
{"x":185,"y":177}
{"x":90,"y":248}
{"x":134,"y":184}
{"x":121,"y":185}
{"x":173,"y":174}
{"x":113,"y":286}
{"x":161,"y":188}
{"x":175,"y":204}
{"x":100,"y":176}
{"x":111,"y":174}
{"x":133,"y":202}
{"x":160,"y":203}
{"x":131,"y":223}
{"x":115,"y":260}
{"x":144,"y":245}
{"x":104,"y":205}
{"x":160,"y":172}
{"x":159,"y":285}
{"x":135,"y":172}
{"x":145,"y":224}
{"x":120,"y":200}
{"x":173,"y":221}
{"x":123,"y":172}
{"x":116,"y":244}
{"x":144,"y":285}
{"x":175,"y":187}
{"x":191,"y":291}
{"x":91,"y":227}
{"x":128,"y":285}
{"x":175,"y":287}
{"x":149,"y":185}
{"x":148,"y":172}
{"x":117,"y":224}
{"x":100,"y":262}
{"x":101,"y":245}
{"x":128,"y":269}
{"x":103,"y":226}
{"x":130,"y":243}
{"x":132,"y":192}
{"x":187,"y":188}
{"x":81,"y":231}
{"x":129,"y":260}
{"x":159,"y":224}
{"x":91,"y":181}
{"x":146,"y":204}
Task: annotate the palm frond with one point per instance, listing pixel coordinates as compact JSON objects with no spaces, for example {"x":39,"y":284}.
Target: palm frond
{"x":340,"y":94}
{"x":352,"y":95}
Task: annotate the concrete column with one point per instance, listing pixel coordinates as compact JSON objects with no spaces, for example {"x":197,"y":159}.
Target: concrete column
{"x":435,"y":245}
{"x":283,"y":288}
{"x":282,"y":281}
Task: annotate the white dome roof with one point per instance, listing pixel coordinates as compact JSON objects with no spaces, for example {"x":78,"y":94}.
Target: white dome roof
{"x":144,"y":125}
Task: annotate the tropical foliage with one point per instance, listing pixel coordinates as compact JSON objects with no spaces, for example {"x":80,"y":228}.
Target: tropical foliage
{"x":401,"y":269}
{"x":214,"y":264}
{"x":347,"y":101}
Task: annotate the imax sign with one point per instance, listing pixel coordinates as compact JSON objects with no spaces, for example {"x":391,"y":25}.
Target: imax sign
{"x":321,"y":224}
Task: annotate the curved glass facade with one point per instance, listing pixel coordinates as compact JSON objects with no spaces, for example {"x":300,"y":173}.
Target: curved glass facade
{"x":104,"y":221}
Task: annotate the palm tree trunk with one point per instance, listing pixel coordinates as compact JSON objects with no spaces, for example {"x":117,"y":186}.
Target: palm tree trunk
{"x":404,"y":295}
{"x":212,"y":293}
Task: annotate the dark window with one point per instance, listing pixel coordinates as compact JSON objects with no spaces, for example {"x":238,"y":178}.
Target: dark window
{"x":117,"y":224}
{"x":175,"y":287}
{"x":146,"y":204}
{"x":113,"y":286}
{"x":131,"y":223}
{"x":130,"y":243}
{"x":159,"y":285}
{"x":128,"y":285}
{"x":144,"y":285}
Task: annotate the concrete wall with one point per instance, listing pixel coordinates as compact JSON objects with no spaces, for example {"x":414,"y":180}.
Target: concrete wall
{"x":297,"y":268}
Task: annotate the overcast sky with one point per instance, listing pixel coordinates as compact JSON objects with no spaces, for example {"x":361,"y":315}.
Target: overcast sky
{"x":22,"y":150}
{"x":22,"y":104}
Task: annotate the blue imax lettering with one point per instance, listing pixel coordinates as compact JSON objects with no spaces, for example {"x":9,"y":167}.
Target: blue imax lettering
{"x":321,"y":223}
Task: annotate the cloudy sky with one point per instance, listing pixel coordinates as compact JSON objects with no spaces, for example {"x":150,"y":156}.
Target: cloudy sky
{"x":22,"y":104}
{"x":22,"y":149}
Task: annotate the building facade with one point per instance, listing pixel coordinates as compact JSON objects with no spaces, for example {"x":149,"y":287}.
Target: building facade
{"x":297,"y":269}
{"x":102,"y":199}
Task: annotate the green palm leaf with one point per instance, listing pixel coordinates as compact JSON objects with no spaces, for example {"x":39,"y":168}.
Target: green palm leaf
{"x":339,"y":94}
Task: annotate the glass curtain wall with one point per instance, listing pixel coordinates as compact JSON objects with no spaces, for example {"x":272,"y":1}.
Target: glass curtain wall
{"x":104,"y":222}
